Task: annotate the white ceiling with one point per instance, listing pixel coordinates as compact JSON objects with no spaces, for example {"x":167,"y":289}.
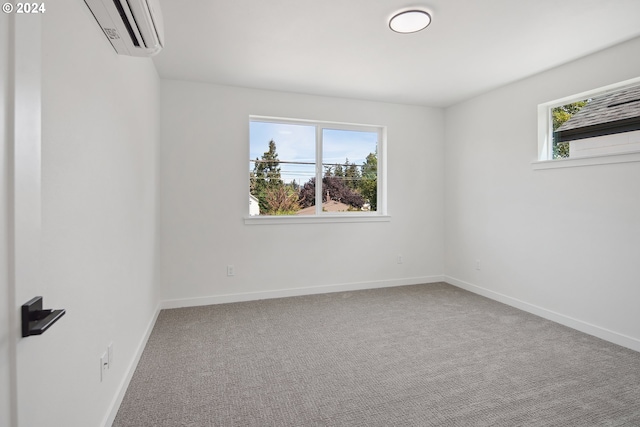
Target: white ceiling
{"x":344,"y":48}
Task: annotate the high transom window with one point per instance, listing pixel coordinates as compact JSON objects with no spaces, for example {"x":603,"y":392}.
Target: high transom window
{"x":600,"y":123}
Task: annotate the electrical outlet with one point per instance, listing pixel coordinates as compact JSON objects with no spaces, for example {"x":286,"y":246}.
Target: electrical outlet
{"x":477,"y":264}
{"x":104,"y":364}
{"x":399,"y":260}
{"x":231,"y":270}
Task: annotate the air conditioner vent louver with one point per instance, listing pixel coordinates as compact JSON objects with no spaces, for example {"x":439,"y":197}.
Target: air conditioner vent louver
{"x":134,"y":27}
{"x":126,"y":22}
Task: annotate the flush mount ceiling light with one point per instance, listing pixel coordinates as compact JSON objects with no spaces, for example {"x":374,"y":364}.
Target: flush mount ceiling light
{"x":410,"y":21}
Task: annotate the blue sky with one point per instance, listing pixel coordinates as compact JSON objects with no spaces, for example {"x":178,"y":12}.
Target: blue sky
{"x":297,"y":143}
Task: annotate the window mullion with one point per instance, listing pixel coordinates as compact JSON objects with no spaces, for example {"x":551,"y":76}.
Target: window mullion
{"x":318,"y":170}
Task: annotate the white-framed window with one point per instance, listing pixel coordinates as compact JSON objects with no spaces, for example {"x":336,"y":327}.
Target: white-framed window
{"x":288,"y":157}
{"x":594,"y":127}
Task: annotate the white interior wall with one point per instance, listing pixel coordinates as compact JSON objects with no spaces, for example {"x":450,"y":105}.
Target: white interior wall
{"x":99,"y":142}
{"x":563,"y":243}
{"x":204,"y":197}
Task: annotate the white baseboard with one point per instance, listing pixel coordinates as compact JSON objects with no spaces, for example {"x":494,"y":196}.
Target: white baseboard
{"x":124,"y":384}
{"x":291,"y":292}
{"x":587,"y":328}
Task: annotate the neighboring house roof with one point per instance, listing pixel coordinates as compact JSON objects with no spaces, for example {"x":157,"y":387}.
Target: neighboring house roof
{"x":615,"y":112}
{"x":254,"y":205}
{"x":330,"y":206}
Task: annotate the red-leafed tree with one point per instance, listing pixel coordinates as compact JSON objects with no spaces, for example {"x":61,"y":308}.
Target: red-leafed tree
{"x":335,"y":187}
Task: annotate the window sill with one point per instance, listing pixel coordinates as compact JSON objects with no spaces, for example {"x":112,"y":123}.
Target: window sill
{"x":586,"y":161}
{"x":314,"y":219}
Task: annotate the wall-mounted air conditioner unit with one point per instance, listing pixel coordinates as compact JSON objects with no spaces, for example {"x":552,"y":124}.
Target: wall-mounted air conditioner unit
{"x":134,"y":27}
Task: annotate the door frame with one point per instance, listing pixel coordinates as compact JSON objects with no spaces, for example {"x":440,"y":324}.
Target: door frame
{"x":8,"y":404}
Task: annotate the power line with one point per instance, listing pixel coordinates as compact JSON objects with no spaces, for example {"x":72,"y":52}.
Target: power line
{"x":304,"y":163}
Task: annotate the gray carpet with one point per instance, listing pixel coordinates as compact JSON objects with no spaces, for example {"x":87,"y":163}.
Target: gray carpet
{"x":426,"y":355}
